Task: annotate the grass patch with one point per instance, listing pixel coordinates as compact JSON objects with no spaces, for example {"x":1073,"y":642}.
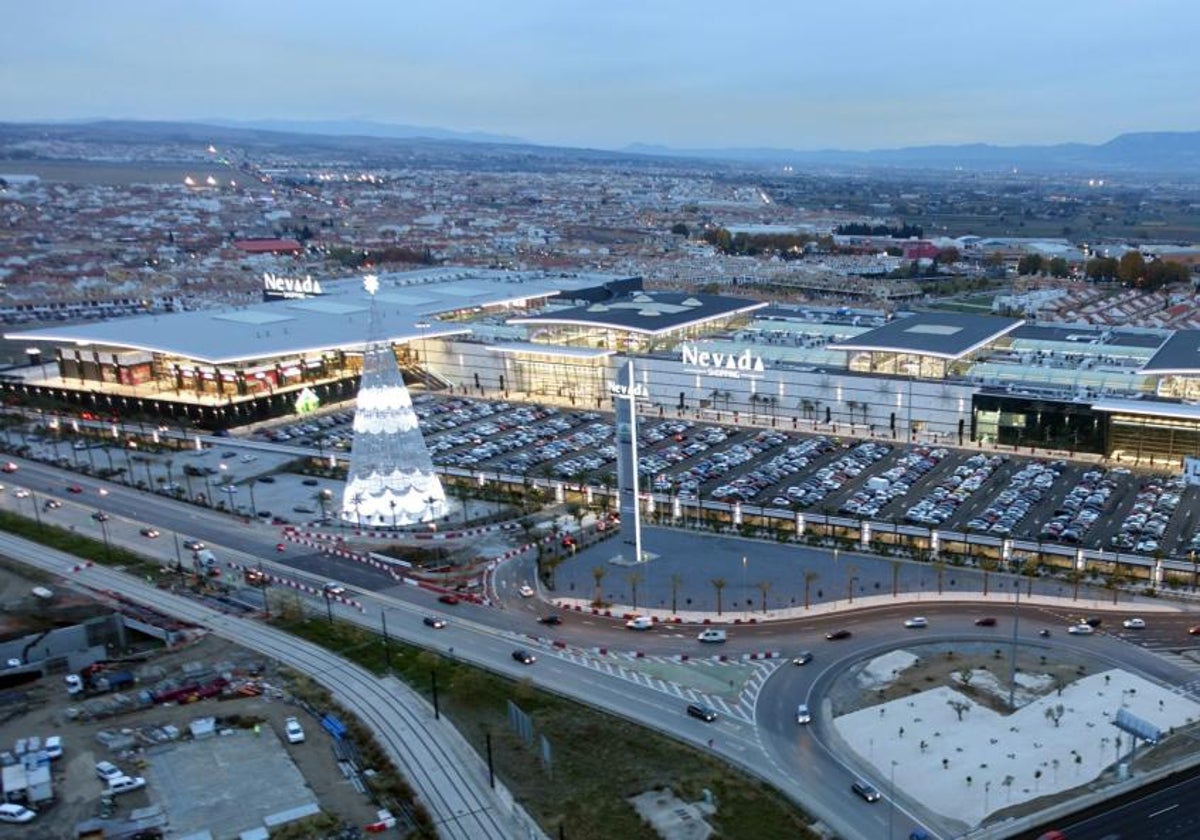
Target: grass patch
{"x":87,"y":548}
{"x":599,"y":760}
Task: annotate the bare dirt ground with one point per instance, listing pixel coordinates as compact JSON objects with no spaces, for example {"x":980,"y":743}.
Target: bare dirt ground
{"x":43,"y":708}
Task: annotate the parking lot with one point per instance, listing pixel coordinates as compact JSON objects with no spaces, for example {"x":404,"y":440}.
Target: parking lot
{"x":977,"y":491}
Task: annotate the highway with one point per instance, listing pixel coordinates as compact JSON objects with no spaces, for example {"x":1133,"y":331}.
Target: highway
{"x":804,"y":762}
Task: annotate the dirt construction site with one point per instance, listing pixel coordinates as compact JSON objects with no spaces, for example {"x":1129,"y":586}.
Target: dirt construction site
{"x":205,"y":726}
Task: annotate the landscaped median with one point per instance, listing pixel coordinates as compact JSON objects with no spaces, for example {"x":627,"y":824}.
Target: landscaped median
{"x":599,"y":762}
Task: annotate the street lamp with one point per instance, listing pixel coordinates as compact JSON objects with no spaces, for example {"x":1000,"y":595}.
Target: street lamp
{"x":745,"y":608}
{"x":892,"y":797}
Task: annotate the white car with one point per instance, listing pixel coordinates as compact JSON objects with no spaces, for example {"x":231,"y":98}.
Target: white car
{"x":1081,"y":629}
{"x":526,"y":590}
{"x":711,"y":635}
{"x":918,"y":621}
{"x":295,"y":732}
{"x":640,"y":622}
{"x":125,"y":784}
{"x":803,"y":715}
{"x":108,"y":771}
{"x":53,"y":747}
{"x":1134,"y":624}
{"x":12,"y":813}
{"x":21,"y":493}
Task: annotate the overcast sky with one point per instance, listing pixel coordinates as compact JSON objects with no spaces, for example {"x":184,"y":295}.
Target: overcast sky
{"x":800,"y":74}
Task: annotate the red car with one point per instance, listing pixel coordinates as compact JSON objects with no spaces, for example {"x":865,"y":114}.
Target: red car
{"x":1194,"y":631}
{"x":74,"y":488}
{"x":449,"y":598}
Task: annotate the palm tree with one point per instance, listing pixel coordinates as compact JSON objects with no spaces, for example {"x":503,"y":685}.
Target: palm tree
{"x":634,"y":579}
{"x":989,"y":565}
{"x":1114,"y":580}
{"x":598,"y":573}
{"x":1075,"y":577}
{"x":895,"y":578}
{"x":676,"y":582}
{"x":1029,"y":568}
{"x":851,"y":576}
{"x":809,"y":577}
{"x":939,"y":566}
{"x":764,"y":586}
{"x":718,"y":584}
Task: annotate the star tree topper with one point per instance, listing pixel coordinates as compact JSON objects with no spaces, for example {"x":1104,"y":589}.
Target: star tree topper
{"x":371,"y":284}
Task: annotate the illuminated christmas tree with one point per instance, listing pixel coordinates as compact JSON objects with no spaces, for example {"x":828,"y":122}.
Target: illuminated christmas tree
{"x":391,"y":482}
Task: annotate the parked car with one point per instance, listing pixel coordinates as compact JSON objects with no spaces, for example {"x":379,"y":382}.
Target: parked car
{"x":53,"y":747}
{"x":10,"y":812}
{"x":125,"y":784}
{"x":107,"y":771}
{"x":294,"y":731}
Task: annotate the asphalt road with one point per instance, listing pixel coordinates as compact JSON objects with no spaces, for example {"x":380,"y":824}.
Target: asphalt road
{"x":806,"y":765}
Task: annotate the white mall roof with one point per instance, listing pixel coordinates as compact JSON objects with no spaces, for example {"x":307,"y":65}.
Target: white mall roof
{"x":407,"y":303}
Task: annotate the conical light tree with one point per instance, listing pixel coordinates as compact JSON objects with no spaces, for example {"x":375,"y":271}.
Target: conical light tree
{"x":391,"y":482}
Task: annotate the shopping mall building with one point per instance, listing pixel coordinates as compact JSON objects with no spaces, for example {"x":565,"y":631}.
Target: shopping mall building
{"x":947,"y":377}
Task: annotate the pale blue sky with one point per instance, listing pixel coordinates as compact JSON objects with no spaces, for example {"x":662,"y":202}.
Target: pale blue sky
{"x":801,"y":74}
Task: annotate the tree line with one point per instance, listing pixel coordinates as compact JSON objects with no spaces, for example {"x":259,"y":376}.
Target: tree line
{"x":905,"y":231}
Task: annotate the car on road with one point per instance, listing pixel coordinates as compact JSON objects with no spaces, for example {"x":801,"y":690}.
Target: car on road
{"x":524,"y":657}
{"x":9,"y":467}
{"x":101,"y":516}
{"x":449,"y":598}
{"x":1091,"y":621}
{"x":10,"y":812}
{"x":639,"y":622}
{"x":553,"y":618}
{"x":53,"y":747}
{"x":106,"y":770}
{"x":435,"y":622}
{"x":1081,"y":629}
{"x":803,"y":715}
{"x":52,"y":504}
{"x":712,"y":635}
{"x":294,"y":731}
{"x":802,"y":658}
{"x":699,"y":710}
{"x":916,"y":621}
{"x":74,"y":488}
{"x":1134,"y":624}
{"x":526,"y":590}
{"x":334,"y":588}
{"x":21,"y":493}
{"x":1194,"y":630}
{"x":986,"y":621}
{"x":152,"y":533}
{"x":834,"y":635}
{"x":866,"y":790}
{"x":193,"y":545}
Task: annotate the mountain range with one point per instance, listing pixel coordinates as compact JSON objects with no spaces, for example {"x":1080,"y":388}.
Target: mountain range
{"x":1167,"y":153}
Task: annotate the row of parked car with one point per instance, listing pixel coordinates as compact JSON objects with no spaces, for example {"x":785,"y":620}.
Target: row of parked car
{"x":1081,"y":508}
{"x":941,"y":502}
{"x":1144,"y":527}
{"x":892,"y":483}
{"x":1026,"y":489}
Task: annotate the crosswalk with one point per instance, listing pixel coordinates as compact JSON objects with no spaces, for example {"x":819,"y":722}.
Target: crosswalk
{"x":631,"y":668}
